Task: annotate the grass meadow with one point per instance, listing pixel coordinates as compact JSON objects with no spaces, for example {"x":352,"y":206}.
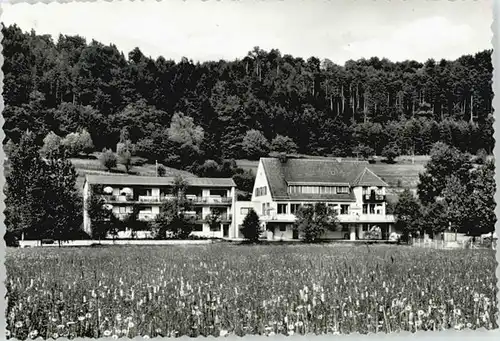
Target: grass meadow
{"x":235,"y":289}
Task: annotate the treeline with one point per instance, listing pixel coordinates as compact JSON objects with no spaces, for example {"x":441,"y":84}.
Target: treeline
{"x":237,"y":109}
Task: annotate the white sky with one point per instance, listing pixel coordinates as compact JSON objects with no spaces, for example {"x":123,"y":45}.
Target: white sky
{"x":210,"y":30}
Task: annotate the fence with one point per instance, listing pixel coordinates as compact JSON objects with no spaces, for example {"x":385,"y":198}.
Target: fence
{"x":462,"y":243}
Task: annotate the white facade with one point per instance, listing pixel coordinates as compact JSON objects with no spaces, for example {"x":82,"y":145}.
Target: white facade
{"x":205,"y":199}
{"x":356,"y":217}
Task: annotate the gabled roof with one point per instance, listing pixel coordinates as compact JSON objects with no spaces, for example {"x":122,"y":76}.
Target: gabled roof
{"x":317,"y":172}
{"x":368,"y":178}
{"x":131,"y":180}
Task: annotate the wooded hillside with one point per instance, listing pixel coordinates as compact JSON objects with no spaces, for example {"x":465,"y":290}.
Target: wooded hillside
{"x":366,"y":107}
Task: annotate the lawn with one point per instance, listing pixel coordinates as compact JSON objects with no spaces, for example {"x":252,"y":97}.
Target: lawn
{"x":235,"y":289}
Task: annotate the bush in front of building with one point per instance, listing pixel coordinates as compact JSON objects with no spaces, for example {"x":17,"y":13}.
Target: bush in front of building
{"x":251,"y":227}
{"x":314,"y":221}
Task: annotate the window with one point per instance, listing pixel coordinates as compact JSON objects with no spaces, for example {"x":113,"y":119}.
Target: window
{"x":282,"y":208}
{"x":365,"y":190}
{"x":260,"y":191}
{"x":147,"y":209}
{"x":215,"y":229}
{"x":244,"y":210}
{"x":343,"y":190}
{"x":366,"y":227}
{"x":149,"y":192}
{"x":294,"y":208}
{"x":282,"y":227}
{"x":263,"y":208}
{"x":345,"y":228}
{"x":122,"y":209}
{"x":365,"y":209}
{"x":372,"y":209}
{"x":198,"y":228}
{"x":344,"y":209}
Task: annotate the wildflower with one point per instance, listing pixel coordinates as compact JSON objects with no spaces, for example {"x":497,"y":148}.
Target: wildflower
{"x":271,"y":334}
{"x":145,"y":336}
{"x":55,"y":336}
{"x":60,"y":326}
{"x":118,"y":317}
{"x":107,"y":333}
{"x":19,"y":324}
{"x":114,"y":336}
{"x":88,"y":315}
{"x":457,"y":312}
{"x":131,"y":324}
{"x":81,"y":318}
{"x":70,"y":323}
{"x":7,"y":333}
{"x":291,"y":332}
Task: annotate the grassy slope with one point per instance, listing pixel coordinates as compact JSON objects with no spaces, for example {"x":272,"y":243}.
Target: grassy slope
{"x":93,"y":166}
{"x":85,"y":166}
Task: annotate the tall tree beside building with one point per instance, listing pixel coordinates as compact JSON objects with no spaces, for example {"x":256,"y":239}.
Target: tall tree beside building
{"x":24,"y":212}
{"x":41,"y":198}
{"x":444,"y":162}
{"x":251,"y":227}
{"x":174,"y":216}
{"x":408,"y":213}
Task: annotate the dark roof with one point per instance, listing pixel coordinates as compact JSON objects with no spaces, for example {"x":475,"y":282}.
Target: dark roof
{"x":368,"y":178}
{"x":131,"y":180}
{"x":317,"y":172}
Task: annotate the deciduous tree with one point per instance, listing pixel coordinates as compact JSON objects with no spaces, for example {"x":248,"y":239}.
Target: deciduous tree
{"x":314,"y":221}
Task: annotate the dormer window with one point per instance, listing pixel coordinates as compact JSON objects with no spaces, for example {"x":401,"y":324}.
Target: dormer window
{"x":343,"y":190}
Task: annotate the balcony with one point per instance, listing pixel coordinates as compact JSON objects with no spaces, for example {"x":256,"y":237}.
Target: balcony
{"x":366,"y":218}
{"x":118,"y":198}
{"x":210,"y":200}
{"x":373,"y":197}
{"x":154,"y":199}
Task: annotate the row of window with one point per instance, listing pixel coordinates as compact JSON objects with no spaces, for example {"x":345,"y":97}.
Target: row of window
{"x":260,"y":191}
{"x":283,"y":208}
{"x":318,"y":189}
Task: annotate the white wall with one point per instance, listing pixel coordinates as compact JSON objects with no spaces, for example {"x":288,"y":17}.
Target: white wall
{"x":86,"y":218}
{"x":261,"y":181}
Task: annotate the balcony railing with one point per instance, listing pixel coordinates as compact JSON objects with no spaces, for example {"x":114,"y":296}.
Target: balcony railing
{"x":210,"y":200}
{"x":118,"y":198}
{"x":373,"y":197}
{"x":154,"y":199}
{"x":160,"y":199}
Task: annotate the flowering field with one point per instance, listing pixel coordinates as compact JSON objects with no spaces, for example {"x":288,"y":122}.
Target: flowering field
{"x":229,"y":289}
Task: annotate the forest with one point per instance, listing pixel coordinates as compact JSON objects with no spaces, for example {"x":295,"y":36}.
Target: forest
{"x":186,"y":113}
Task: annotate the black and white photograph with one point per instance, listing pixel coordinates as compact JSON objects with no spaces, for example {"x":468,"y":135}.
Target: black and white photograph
{"x":234,"y":168}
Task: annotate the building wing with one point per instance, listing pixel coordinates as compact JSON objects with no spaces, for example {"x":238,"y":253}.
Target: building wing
{"x":317,"y":172}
